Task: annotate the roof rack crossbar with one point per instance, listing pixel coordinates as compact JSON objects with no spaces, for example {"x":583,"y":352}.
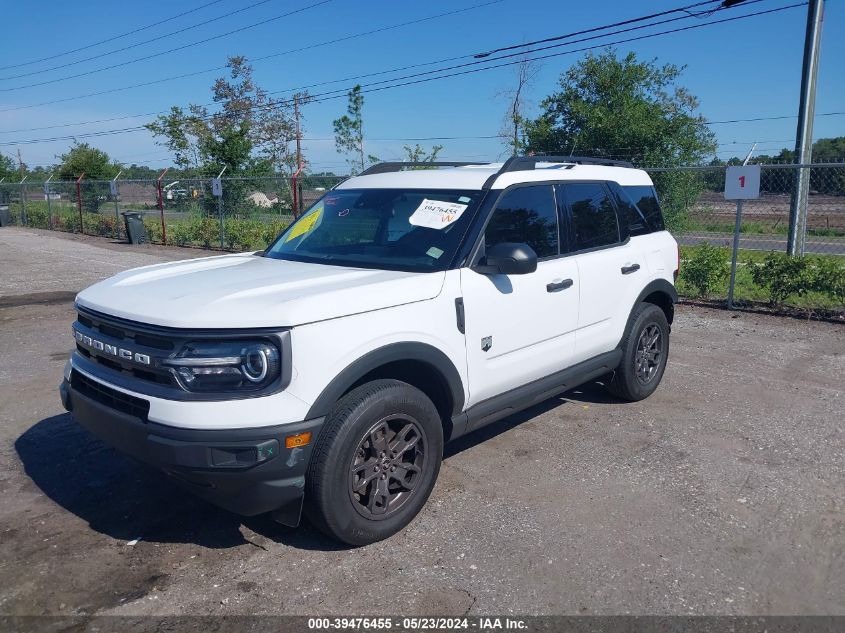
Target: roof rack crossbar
{"x":528,"y":163}
{"x":384,"y":168}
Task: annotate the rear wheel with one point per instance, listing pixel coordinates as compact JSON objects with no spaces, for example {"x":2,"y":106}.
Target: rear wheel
{"x":375,"y":463}
{"x":645,"y":350}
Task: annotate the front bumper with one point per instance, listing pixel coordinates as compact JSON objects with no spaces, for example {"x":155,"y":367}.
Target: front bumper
{"x":245,"y":470}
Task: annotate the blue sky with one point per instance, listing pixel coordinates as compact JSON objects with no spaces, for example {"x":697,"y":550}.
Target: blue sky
{"x":743,"y":69}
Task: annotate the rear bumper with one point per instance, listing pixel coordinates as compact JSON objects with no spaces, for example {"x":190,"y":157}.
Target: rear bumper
{"x":247,"y":471}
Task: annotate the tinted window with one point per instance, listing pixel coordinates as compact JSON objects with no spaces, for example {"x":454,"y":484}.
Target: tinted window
{"x":593,"y":215}
{"x":525,"y":214}
{"x":631,"y":220}
{"x":646,"y":200}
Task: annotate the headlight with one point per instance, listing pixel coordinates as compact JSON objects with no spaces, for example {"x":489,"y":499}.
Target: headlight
{"x":211,"y":366}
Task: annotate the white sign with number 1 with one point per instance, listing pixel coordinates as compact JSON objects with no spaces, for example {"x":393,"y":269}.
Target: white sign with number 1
{"x":742,"y":182}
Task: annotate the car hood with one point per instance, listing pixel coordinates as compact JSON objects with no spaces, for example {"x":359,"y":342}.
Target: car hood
{"x":243,"y":291}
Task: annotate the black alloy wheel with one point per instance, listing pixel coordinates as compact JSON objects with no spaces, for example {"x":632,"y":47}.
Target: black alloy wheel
{"x":387,"y":466}
{"x":649,"y":353}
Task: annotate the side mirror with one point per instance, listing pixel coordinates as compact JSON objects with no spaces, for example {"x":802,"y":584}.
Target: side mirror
{"x":509,"y":258}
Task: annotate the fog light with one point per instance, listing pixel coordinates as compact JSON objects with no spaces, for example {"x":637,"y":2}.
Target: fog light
{"x":300,"y":439}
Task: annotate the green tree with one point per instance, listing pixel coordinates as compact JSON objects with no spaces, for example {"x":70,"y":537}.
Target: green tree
{"x":183,"y":134}
{"x":417,"y":154}
{"x":96,"y":165}
{"x":349,"y":130}
{"x":82,"y":158}
{"x":8,"y":167}
{"x":829,"y":150}
{"x":250,"y":133}
{"x":525,"y":74}
{"x":621,"y":107}
{"x":7,"y":175}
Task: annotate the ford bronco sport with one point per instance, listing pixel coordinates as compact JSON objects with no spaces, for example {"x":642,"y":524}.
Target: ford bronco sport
{"x":405,"y":308}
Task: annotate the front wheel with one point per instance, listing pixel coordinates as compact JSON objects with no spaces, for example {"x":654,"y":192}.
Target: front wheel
{"x":375,"y":462}
{"x":645,"y":350}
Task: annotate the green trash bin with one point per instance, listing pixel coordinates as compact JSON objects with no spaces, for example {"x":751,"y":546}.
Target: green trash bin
{"x":134,"y":223}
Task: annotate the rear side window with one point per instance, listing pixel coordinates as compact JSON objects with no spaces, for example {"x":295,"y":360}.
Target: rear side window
{"x":593,"y":216}
{"x":645,"y":199}
{"x":528,"y":215}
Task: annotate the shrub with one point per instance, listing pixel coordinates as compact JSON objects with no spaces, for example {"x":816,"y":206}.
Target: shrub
{"x":272,"y":230}
{"x":783,"y":276}
{"x":96,"y":224}
{"x":829,"y":278}
{"x":706,"y":268}
{"x":153,"y":229}
{"x":66,"y":221}
{"x":206,"y":231}
{"x":38,"y":218}
{"x":181,"y":233}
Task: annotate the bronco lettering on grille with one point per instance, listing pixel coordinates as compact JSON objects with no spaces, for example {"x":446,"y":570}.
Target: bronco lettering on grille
{"x":111,"y":350}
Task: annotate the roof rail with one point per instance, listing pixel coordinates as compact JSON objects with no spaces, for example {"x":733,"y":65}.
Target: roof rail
{"x":528,"y":163}
{"x":384,"y":168}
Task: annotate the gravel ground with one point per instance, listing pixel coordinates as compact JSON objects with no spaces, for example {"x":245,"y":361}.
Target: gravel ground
{"x":723,"y":493}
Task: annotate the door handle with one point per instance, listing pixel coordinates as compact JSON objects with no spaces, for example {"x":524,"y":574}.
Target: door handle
{"x":558,"y":285}
{"x":627,"y":270}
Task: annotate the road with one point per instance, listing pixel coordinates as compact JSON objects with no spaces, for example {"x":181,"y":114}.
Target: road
{"x":812,"y":245}
{"x":723,"y":493}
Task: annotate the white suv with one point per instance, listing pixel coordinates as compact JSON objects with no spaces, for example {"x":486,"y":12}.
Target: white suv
{"x":405,"y":308}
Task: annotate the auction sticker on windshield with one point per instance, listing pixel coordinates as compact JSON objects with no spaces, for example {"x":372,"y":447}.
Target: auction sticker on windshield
{"x":434,"y":214}
{"x":307,"y":224}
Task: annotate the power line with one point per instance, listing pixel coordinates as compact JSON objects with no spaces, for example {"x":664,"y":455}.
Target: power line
{"x":136,"y":45}
{"x":409,"y":67}
{"x":592,"y":30}
{"x":466,"y":72}
{"x":172,"y":50}
{"x":263,"y":58}
{"x":769,"y":118}
{"x":113,"y":38}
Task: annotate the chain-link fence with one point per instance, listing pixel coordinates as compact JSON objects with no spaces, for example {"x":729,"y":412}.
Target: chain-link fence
{"x":252,"y":211}
{"x":248,"y":215}
{"x":697,"y":210}
{"x":705,"y":223}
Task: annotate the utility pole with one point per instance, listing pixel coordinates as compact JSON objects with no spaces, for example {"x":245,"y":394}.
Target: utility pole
{"x":804,"y":134}
{"x":294,"y":184}
{"x":298,"y":131}
{"x":20,"y":162}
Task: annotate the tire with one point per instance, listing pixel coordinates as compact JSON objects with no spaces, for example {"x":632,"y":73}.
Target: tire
{"x":635,"y":380}
{"x":356,"y":490}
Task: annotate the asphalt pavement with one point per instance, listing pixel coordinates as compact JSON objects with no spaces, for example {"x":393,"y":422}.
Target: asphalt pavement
{"x":723,"y":493}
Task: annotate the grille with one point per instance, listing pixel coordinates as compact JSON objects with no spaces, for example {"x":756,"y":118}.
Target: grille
{"x":109,"y":397}
{"x":118,"y":332}
{"x":124,"y":332}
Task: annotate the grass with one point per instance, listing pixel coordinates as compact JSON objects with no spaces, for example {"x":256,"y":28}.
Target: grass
{"x":756,"y":228}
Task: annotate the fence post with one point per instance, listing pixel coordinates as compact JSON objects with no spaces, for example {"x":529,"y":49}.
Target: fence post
{"x":49,"y":203}
{"x":79,"y":201}
{"x":115,"y":192}
{"x":23,"y":200}
{"x":217,"y":190}
{"x":161,"y":206}
{"x":737,"y":227}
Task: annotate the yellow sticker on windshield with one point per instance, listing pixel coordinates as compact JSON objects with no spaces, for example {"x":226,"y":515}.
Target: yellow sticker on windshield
{"x":305,"y":224}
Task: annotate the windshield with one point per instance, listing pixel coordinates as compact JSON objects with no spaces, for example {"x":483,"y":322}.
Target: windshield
{"x":397,"y":229}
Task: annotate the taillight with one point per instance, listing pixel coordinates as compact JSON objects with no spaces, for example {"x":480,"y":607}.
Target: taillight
{"x":678,"y":264}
